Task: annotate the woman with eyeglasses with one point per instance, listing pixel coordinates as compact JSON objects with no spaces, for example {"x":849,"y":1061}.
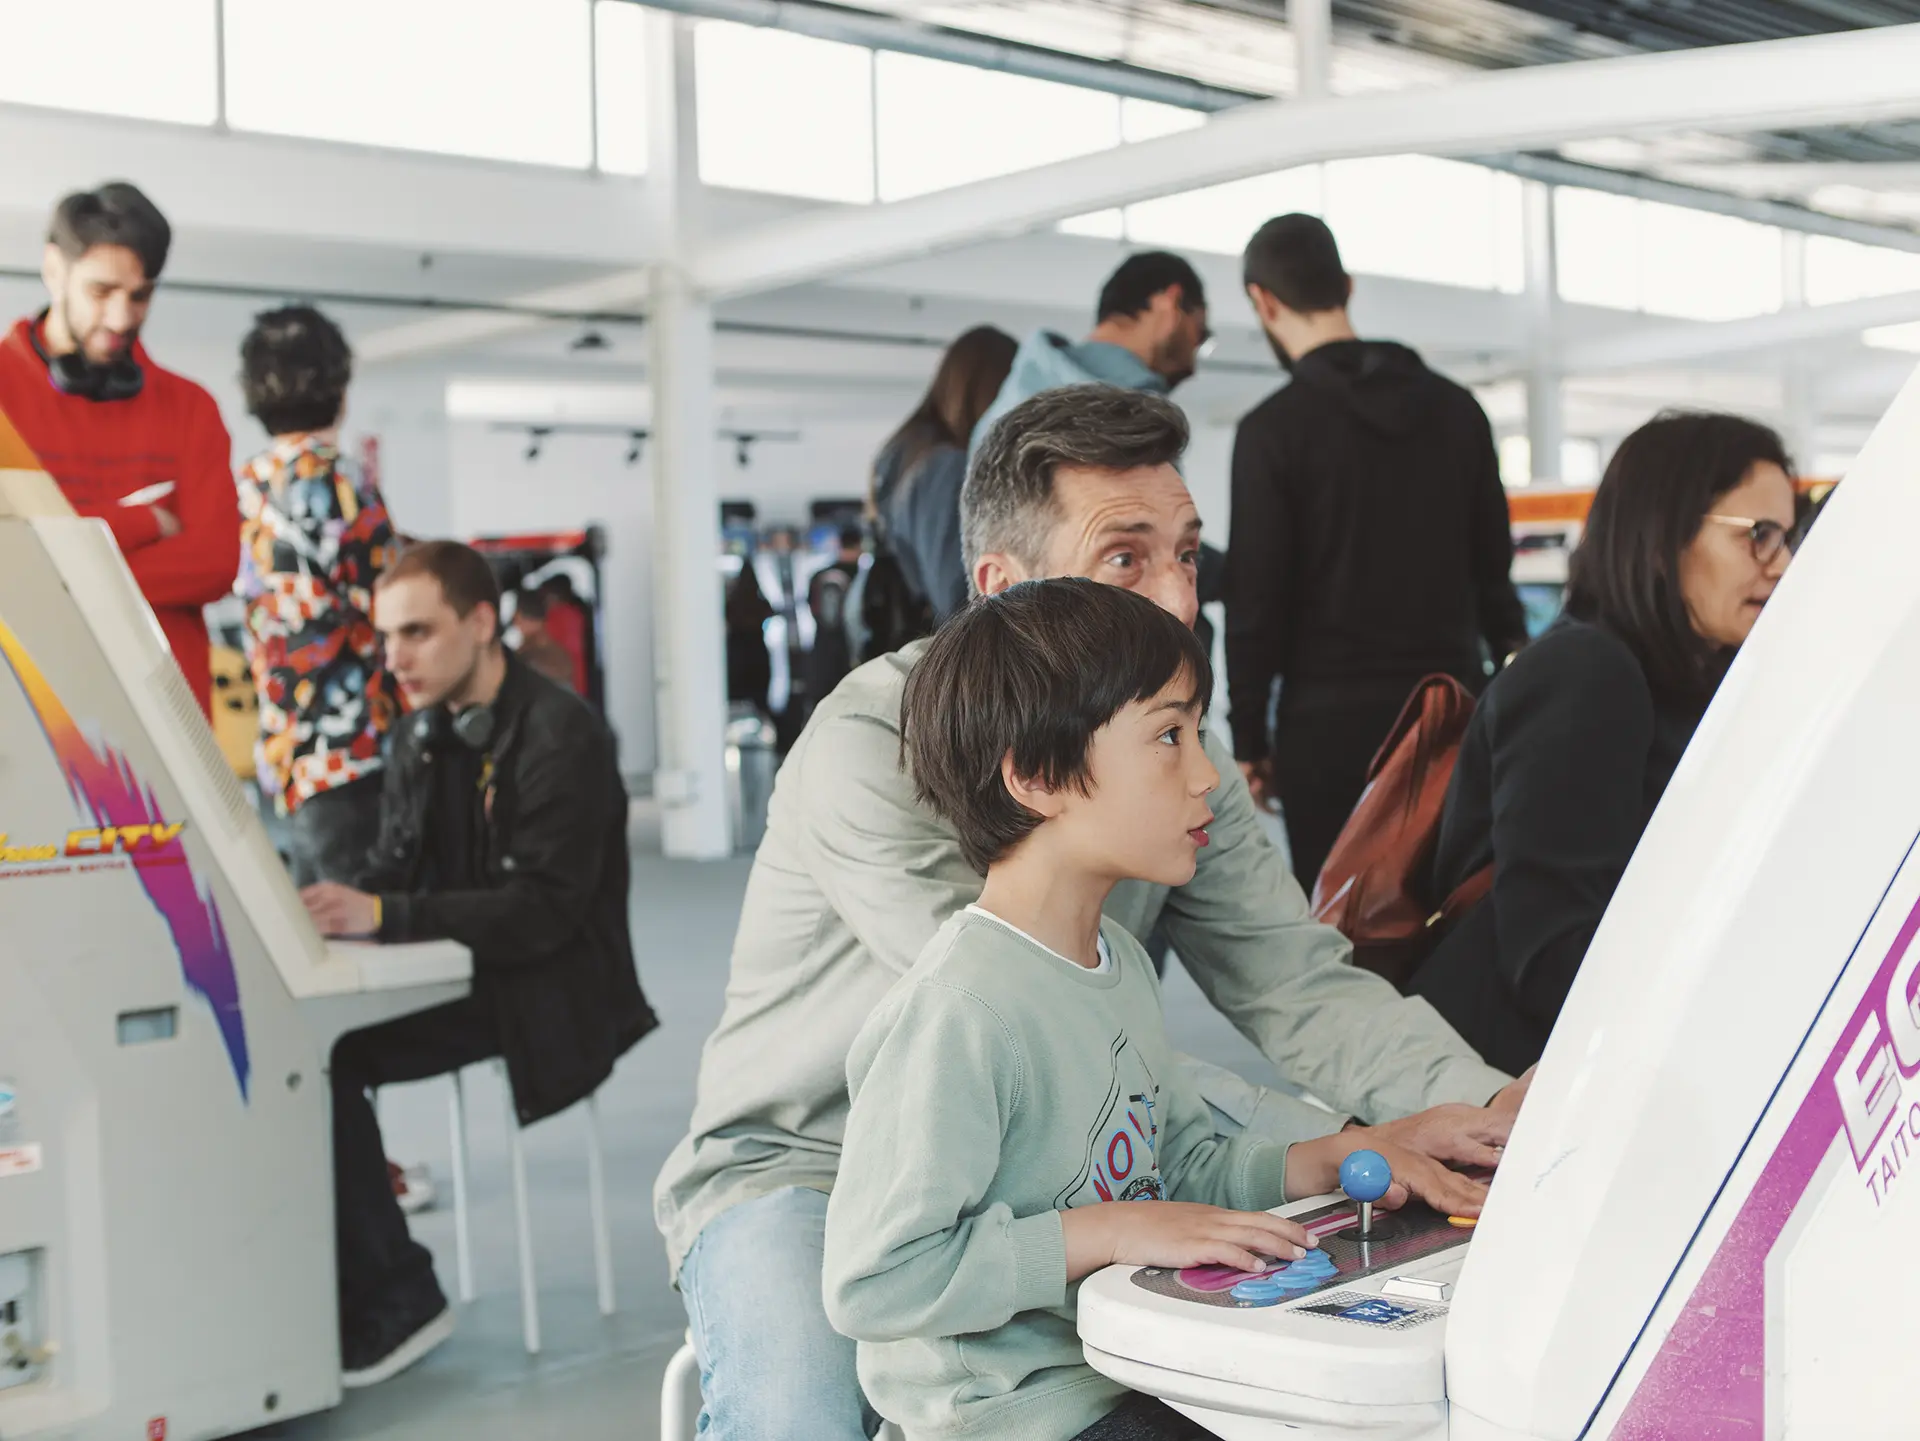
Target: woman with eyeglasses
{"x":1574,"y":743}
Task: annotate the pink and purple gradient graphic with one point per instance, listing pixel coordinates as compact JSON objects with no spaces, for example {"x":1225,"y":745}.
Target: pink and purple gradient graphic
{"x":1709,"y":1380}
{"x":107,"y":790}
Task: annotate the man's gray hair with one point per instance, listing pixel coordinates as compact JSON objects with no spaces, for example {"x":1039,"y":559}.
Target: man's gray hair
{"x":1006,"y":506}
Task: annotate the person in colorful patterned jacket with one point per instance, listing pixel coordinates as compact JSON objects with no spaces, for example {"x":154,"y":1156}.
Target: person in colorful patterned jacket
{"x":314,"y":538}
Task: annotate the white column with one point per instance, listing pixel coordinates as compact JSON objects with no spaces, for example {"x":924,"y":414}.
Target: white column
{"x":689,"y":639}
{"x":1800,"y":418}
{"x":1546,"y":425}
{"x":1312,"y":24}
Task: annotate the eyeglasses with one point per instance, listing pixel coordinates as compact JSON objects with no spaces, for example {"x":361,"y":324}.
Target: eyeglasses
{"x":1203,"y":344}
{"x":1766,"y":537}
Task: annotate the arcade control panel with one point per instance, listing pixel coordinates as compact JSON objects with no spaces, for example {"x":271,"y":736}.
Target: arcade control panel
{"x":1355,"y":1244}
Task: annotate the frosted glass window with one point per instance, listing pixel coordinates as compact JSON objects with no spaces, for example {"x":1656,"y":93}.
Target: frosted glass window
{"x":1579,"y":462}
{"x":1597,"y":239}
{"x":501,"y":79}
{"x":153,"y":59}
{"x":786,"y":114}
{"x":1101,"y":224}
{"x":942,"y":124}
{"x":1418,"y":218}
{"x":620,"y":54}
{"x":1847,"y":270}
{"x":1664,"y":259}
{"x":1222,"y":218}
{"x":1148,"y":119}
{"x":1905,"y":336}
{"x":1707,"y":267}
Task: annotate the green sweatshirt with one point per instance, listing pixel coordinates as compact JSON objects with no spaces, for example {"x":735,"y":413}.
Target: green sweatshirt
{"x":854,"y":878}
{"x":996,"y":1086}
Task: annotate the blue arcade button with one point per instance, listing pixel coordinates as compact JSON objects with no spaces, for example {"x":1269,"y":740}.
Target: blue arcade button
{"x":1260,"y":1291}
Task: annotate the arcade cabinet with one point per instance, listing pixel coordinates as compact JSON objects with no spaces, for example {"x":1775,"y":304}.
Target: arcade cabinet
{"x":166,"y":1015}
{"x":1702,"y":1229}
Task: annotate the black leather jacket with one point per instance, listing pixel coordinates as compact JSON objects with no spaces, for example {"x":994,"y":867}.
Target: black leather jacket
{"x":552,"y":958}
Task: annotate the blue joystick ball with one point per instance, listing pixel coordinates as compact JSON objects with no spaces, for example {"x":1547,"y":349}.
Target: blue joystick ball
{"x":1365,"y":1175}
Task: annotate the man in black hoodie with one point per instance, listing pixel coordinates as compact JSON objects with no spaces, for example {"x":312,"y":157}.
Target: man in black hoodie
{"x":1370,"y":543}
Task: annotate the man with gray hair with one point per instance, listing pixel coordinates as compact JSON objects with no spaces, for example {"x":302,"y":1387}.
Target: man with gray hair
{"x":854,"y":878}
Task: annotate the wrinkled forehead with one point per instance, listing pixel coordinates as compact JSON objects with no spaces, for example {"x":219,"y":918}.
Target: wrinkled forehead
{"x":1148,"y":500}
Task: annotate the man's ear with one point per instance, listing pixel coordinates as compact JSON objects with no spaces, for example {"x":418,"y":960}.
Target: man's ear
{"x":1028,"y":791}
{"x":1265,"y":305}
{"x":994,"y":572}
{"x":53,"y":270}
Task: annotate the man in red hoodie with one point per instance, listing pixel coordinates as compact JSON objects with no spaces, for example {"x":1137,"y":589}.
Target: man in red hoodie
{"x":139,"y":447}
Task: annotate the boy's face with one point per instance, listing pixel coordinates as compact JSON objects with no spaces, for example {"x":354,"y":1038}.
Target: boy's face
{"x":1146,"y":813}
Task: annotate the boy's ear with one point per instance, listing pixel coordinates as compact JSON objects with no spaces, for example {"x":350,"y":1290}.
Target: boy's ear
{"x":1028,"y":791}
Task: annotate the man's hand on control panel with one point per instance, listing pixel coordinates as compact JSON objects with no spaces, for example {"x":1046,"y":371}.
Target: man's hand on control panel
{"x":338,"y":910}
{"x":1454,"y":1135}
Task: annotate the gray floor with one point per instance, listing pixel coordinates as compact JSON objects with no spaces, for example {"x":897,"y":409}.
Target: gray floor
{"x":596,"y":1379}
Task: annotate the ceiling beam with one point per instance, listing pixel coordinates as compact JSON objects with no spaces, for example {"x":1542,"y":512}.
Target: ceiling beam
{"x":624,"y":291}
{"x":1846,"y":78}
{"x":207,"y":181}
{"x":1685,"y":342}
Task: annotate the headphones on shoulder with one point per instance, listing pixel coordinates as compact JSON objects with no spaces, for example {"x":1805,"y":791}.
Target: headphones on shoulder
{"x":73,"y":374}
{"x":435,"y":726}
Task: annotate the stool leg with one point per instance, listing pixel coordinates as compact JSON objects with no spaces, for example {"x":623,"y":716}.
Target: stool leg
{"x":679,"y":1393}
{"x":523,"y":1231}
{"x":597,"y":1197}
{"x":462,"y":1233}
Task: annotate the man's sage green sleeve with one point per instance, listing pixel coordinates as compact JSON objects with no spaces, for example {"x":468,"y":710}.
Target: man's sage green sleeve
{"x":886,"y":867}
{"x":1243,"y":930}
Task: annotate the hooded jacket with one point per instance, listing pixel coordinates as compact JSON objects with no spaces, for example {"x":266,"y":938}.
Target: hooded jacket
{"x":1371,"y":540}
{"x":1047,"y":360}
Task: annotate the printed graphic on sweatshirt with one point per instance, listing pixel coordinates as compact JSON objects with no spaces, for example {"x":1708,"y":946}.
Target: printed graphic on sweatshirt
{"x":1122,"y":1160}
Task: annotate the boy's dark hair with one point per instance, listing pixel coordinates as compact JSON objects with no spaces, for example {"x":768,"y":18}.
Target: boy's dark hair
{"x":1131,"y":288}
{"x":1036,"y":671}
{"x":294,"y":369}
{"x":115,"y":214}
{"x":466,"y":580}
{"x":1650,"y":504}
{"x":1295,"y":260}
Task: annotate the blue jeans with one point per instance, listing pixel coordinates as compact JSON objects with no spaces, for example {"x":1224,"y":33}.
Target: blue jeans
{"x":772,"y":1368}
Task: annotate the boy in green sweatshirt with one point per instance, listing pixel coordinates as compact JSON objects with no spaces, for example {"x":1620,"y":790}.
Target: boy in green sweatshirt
{"x":1017,"y":1084}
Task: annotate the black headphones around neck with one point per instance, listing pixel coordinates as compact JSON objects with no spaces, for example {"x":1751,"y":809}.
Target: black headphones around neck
{"x":73,"y":374}
{"x":433,"y":727}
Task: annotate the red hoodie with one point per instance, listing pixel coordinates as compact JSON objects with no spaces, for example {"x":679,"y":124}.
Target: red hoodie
{"x":102,"y":451}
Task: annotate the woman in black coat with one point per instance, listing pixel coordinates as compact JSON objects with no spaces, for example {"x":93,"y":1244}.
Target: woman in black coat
{"x":1574,"y":743}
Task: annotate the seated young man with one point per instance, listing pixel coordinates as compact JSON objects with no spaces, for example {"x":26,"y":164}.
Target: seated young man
{"x":1017,"y":1087}
{"x":503,"y":826}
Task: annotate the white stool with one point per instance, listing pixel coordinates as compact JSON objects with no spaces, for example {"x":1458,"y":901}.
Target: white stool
{"x":523,"y":1230}
{"x":680,"y":1400}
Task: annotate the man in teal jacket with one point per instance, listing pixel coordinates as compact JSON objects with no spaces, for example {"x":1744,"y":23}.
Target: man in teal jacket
{"x":854,"y":877}
{"x":1149,"y":329}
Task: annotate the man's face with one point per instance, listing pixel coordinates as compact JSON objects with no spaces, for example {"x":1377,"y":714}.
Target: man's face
{"x":1132,"y":528}
{"x":1183,"y":332}
{"x":100,"y":300}
{"x":431,"y":649}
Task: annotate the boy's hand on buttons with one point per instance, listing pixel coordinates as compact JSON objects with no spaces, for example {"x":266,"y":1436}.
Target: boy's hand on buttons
{"x":1176,"y":1234}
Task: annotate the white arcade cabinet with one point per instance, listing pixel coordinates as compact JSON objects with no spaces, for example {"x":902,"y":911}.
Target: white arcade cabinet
{"x":1702,"y":1229}
{"x":166,"y":1012}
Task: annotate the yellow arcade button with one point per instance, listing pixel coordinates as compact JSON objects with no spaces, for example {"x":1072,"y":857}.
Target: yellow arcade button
{"x":1465,"y":1223}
